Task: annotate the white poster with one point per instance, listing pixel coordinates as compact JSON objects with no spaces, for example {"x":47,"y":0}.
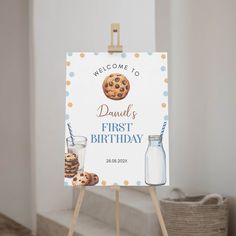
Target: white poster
{"x":116,"y":121}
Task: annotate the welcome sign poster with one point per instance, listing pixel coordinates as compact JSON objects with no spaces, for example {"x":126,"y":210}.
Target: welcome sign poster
{"x":116,"y":121}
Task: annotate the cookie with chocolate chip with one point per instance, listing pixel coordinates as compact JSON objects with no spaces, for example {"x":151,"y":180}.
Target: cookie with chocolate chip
{"x":71,"y":164}
{"x":116,"y":86}
{"x":71,"y":171}
{"x":71,"y":157}
{"x":94,"y":179}
{"x":82,"y":178}
{"x":75,"y":167}
{"x":70,"y":175}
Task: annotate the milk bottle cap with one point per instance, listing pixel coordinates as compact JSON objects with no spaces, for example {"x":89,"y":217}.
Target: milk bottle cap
{"x":154,"y":137}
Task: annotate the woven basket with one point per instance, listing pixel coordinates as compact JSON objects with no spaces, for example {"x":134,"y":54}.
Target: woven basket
{"x":195,"y":215}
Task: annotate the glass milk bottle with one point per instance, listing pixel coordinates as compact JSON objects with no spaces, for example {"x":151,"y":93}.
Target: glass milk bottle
{"x":155,"y":161}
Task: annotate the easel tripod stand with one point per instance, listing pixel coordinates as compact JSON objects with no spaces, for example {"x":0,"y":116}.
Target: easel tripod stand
{"x":115,"y":28}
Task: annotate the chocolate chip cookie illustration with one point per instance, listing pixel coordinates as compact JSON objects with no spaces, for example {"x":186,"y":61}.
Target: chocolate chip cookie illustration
{"x":82,"y":178}
{"x":116,"y":86}
{"x":94,"y":179}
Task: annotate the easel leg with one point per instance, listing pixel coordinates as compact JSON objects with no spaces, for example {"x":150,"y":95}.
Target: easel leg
{"x":153,"y":194}
{"x":117,"y":213}
{"x":76,"y":211}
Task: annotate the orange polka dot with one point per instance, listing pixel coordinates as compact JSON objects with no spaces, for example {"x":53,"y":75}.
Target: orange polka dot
{"x":82,"y":55}
{"x":136,"y":55}
{"x":67,"y":63}
{"x":68,"y":82}
{"x":163,"y":56}
{"x":70,"y":104}
{"x":163,"y":105}
{"x":166,"y":80}
{"x":126,"y":182}
{"x":104,"y":183}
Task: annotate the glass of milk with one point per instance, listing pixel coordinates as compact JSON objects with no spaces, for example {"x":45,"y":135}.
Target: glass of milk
{"x":77,"y":145}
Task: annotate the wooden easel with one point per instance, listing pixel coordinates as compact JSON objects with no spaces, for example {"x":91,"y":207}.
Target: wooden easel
{"x":115,"y":28}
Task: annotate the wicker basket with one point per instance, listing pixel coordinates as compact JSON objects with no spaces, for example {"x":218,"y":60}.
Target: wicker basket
{"x":195,"y":215}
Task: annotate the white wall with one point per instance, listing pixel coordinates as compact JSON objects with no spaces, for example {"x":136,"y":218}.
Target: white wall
{"x":14,"y":118}
{"x":220,"y":56}
{"x":202,"y":58}
{"x":60,"y":26}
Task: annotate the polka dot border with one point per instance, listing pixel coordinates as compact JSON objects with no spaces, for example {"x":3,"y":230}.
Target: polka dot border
{"x":71,"y":74}
{"x":164,"y":105}
{"x":163,"y":68}
{"x":82,"y":55}
{"x":165,"y":93}
{"x":70,"y":104}
{"x":163,"y":56}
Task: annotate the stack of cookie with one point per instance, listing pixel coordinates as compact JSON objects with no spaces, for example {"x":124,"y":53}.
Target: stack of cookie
{"x":71,"y":165}
{"x":85,"y":179}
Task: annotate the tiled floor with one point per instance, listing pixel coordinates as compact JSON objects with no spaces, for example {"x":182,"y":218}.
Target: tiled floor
{"x":10,"y":228}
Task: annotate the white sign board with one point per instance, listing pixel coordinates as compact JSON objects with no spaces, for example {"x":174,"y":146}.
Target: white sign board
{"x":116,"y":107}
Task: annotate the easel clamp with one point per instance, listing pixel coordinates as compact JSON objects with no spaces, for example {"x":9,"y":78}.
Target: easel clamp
{"x":115,"y":29}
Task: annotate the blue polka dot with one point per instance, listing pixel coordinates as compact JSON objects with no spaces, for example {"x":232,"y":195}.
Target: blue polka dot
{"x":123,"y":55}
{"x":69,"y":54}
{"x":71,"y":74}
{"x":138,"y":183}
{"x":67,"y":93}
{"x":149,"y":53}
{"x":163,"y":68}
{"x":96,"y":53}
{"x":166,"y":117}
{"x":67,"y":117}
{"x":165,"y":93}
